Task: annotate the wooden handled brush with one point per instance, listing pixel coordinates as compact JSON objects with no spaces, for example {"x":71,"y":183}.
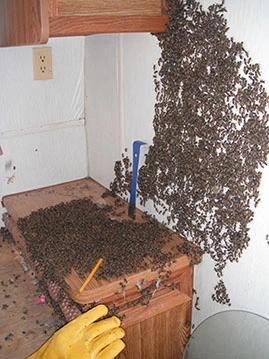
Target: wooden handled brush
{"x":91,"y":274}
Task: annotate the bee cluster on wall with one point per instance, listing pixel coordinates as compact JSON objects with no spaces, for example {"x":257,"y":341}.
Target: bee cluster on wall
{"x":211,"y":139}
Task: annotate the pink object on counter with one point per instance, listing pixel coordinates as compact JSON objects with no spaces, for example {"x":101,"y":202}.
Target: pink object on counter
{"x":41,"y":299}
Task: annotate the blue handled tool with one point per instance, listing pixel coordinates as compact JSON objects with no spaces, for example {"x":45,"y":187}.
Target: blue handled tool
{"x":136,"y":154}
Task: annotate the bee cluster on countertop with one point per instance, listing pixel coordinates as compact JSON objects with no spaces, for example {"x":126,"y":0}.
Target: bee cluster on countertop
{"x":75,"y":234}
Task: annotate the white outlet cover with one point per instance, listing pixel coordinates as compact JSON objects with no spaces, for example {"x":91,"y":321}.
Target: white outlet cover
{"x":42,"y":63}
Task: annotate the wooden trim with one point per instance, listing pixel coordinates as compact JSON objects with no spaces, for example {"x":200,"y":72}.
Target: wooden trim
{"x":87,"y":25}
{"x":164,"y":7}
{"x":53,"y":8}
{"x":186,"y":281}
{"x":109,"y":7}
{"x":103,"y":290}
{"x":160,"y":303}
{"x":23,"y":22}
{"x":44,"y":22}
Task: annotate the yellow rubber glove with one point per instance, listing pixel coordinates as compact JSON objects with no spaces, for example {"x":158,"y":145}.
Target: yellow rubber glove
{"x":85,"y":338}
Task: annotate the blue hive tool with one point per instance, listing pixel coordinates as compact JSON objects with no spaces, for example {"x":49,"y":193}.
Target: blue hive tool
{"x":136,"y":154}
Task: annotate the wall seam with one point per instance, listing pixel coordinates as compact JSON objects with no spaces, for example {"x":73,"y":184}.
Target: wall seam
{"x":45,"y":128}
{"x":121,"y":89}
{"x":85,"y":111}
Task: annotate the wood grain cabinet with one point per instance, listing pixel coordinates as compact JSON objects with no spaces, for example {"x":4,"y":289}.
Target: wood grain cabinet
{"x":28,"y":22}
{"x":157,"y":327}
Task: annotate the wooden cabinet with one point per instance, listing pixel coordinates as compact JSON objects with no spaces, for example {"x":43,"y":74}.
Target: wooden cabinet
{"x":28,"y":22}
{"x":156,"y":329}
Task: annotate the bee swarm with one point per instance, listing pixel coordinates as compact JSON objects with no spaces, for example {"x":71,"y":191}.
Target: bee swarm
{"x":211,"y":135}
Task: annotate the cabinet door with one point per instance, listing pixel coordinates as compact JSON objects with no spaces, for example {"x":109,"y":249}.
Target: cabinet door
{"x":160,"y":337}
{"x":23,"y":22}
{"x":108,"y":7}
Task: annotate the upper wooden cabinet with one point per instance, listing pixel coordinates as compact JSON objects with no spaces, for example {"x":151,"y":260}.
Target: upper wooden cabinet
{"x":28,"y":22}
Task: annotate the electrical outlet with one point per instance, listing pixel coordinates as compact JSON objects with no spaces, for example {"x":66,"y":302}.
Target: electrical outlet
{"x":42,"y":63}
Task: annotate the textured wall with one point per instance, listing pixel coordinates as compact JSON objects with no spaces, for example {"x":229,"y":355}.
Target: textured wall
{"x":42,"y":130}
{"x":247,"y":281}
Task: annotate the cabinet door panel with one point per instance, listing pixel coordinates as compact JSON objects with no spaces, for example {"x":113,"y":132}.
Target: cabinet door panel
{"x":23,"y":22}
{"x":109,"y":7}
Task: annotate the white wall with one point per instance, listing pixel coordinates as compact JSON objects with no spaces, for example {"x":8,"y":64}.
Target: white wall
{"x":102,"y":105}
{"x":247,"y":281}
{"x":42,"y":131}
